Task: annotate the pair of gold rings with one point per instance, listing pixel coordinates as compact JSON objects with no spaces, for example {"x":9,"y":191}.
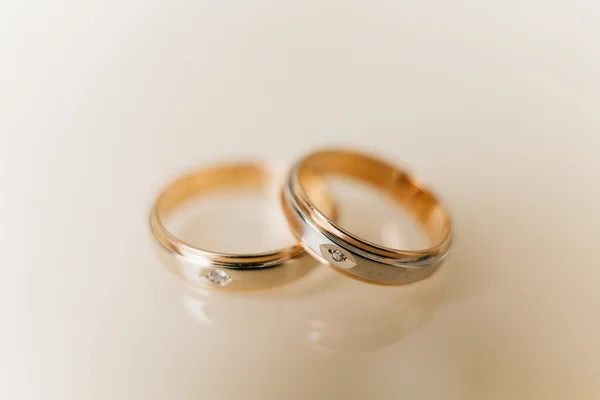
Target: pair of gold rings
{"x":311,"y":214}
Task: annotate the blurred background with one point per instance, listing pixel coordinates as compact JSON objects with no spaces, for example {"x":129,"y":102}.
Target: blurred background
{"x":495,"y":105}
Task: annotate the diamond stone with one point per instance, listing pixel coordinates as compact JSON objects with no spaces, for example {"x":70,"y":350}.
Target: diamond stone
{"x":218,"y":277}
{"x":337,"y":255}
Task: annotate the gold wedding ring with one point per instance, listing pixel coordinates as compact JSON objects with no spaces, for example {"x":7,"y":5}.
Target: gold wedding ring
{"x":331,"y":244}
{"x":223,"y":270}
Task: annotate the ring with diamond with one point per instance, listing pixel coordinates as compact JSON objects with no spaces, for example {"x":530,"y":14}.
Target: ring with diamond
{"x":321,"y":236}
{"x":223,"y":270}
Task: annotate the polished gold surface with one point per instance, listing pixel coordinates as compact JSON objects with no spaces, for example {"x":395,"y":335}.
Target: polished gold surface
{"x":305,"y":213}
{"x":398,"y":184}
{"x":192,"y":262}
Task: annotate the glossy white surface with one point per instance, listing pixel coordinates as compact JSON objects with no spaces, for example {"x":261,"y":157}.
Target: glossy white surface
{"x":497,"y":105}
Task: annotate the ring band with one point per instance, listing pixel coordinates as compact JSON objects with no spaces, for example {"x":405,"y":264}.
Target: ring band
{"x":357,"y":257}
{"x":223,"y":270}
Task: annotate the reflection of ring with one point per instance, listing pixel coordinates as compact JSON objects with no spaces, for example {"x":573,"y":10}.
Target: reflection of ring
{"x":219,"y":270}
{"x":320,"y":318}
{"x":357,"y":257}
{"x":378,"y":318}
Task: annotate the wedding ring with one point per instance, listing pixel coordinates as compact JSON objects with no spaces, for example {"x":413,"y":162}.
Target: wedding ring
{"x":328,"y":242}
{"x":223,"y":270}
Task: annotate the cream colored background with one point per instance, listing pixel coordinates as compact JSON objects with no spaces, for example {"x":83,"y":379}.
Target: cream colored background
{"x":497,"y":104}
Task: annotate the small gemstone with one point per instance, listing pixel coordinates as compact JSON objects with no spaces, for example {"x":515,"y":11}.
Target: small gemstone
{"x":218,"y":277}
{"x":337,"y":255}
